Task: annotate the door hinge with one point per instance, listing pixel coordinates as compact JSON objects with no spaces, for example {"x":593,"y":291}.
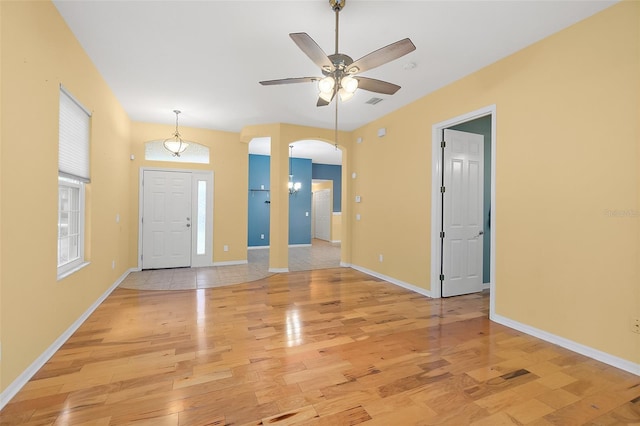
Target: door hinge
{"x":142,"y":220}
{"x":441,"y":234}
{"x":443,"y":144}
{"x":442,"y":189}
{"x":441,"y":277}
{"x":141,"y":256}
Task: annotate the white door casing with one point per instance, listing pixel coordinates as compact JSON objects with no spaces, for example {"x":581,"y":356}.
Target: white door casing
{"x":322,"y":214}
{"x":463,"y":213}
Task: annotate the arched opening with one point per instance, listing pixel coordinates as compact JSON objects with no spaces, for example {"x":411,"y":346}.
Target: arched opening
{"x":316,"y":167}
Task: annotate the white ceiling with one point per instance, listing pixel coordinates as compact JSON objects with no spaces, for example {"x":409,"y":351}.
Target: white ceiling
{"x":206,"y":57}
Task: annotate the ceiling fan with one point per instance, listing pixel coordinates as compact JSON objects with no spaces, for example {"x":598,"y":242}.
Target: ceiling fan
{"x":341,"y":73}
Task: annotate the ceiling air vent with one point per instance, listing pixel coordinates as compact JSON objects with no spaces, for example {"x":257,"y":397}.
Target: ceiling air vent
{"x":373,"y":101}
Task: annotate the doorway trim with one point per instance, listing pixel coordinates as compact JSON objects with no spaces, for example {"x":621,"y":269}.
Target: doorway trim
{"x":436,"y":203}
{"x":209,"y":177}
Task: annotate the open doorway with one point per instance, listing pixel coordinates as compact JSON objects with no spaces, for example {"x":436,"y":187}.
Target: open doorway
{"x":311,"y":162}
{"x":482,"y":122}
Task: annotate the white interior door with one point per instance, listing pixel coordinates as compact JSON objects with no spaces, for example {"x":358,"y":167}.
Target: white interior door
{"x":166,"y":219}
{"x":463,"y":202}
{"x":322,"y":214}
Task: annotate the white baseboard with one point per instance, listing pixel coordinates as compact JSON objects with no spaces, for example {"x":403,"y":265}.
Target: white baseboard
{"x":27,"y":374}
{"x":231,"y":263}
{"x":590,"y":352}
{"x":299,"y":245}
{"x":336,"y":241}
{"x":278,"y":270}
{"x":399,"y":283}
{"x":257,"y":247}
{"x":345,"y":265}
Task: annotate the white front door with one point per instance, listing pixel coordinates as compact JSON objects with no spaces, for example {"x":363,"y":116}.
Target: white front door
{"x":463,"y":223}
{"x":166,"y":219}
{"x":322,"y":214}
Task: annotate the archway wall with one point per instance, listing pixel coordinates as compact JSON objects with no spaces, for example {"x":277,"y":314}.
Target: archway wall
{"x":282,"y":135}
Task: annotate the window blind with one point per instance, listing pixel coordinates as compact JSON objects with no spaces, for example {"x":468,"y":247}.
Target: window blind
{"x":73,"y":154}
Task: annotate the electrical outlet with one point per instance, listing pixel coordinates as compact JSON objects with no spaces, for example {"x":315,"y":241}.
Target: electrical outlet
{"x":380,"y":258}
{"x":635,"y":325}
{"x":226,"y":248}
{"x":113,"y":264}
{"x":262,"y":236}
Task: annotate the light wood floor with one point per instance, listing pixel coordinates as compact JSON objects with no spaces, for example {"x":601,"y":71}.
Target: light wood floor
{"x":325,"y":347}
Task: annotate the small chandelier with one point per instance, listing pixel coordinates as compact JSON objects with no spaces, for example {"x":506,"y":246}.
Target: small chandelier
{"x":294,"y":187}
{"x":175,"y":145}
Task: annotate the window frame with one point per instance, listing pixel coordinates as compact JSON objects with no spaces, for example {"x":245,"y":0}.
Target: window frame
{"x":74,"y":148}
{"x":69,"y":266}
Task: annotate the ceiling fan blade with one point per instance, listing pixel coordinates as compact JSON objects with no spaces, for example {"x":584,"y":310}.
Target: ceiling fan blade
{"x":289,"y":81}
{"x":382,"y":56}
{"x":378,"y":86}
{"x":312,"y":50}
{"x":322,"y":102}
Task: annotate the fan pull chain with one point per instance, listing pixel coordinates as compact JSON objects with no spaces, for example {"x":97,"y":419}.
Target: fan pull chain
{"x":335,"y":136}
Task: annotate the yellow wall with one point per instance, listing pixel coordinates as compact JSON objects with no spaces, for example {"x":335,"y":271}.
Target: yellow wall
{"x":336,"y":227}
{"x":1,"y":223}
{"x":230,"y":165}
{"x":568,"y":114}
{"x":567,"y":154}
{"x":38,"y":52}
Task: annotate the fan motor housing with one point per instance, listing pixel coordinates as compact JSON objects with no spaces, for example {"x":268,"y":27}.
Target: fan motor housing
{"x":337,"y":5}
{"x":340,"y":62}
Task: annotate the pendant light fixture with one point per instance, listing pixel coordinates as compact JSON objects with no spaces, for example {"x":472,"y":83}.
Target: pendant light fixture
{"x":175,"y":144}
{"x":294,"y":187}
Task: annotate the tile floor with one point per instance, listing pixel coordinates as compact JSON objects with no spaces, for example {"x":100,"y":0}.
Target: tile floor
{"x":321,"y":255}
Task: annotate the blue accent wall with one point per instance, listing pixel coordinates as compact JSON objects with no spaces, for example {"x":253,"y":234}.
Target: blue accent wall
{"x":259,"y":207}
{"x":334,"y":173}
{"x":482,"y":126}
{"x":300,"y":203}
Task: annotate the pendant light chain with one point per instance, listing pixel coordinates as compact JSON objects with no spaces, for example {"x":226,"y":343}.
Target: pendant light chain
{"x":177,"y":113}
{"x":335,"y":135}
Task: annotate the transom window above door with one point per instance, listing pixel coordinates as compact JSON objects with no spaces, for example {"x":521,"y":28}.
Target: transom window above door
{"x":195,"y":153}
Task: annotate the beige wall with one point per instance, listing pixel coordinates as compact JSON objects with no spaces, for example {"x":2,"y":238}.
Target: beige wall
{"x":336,"y":226}
{"x":1,"y":184}
{"x":230,"y":165}
{"x":568,"y":114}
{"x":38,"y":53}
{"x":567,"y":154}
